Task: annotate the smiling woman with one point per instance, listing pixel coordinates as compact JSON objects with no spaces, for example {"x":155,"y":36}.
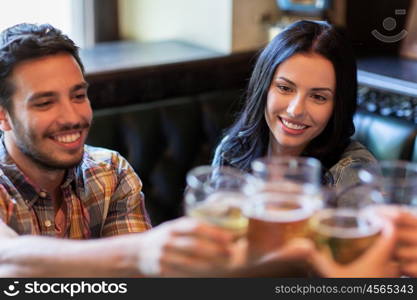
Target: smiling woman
{"x":300,"y":102}
{"x":299,"y":105}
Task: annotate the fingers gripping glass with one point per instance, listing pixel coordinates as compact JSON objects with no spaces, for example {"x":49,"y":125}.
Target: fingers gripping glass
{"x":216,"y":195}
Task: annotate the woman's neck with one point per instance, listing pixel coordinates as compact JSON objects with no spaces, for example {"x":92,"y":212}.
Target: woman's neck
{"x":274,"y":149}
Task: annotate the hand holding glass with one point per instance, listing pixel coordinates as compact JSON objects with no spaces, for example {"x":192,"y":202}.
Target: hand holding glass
{"x":216,"y":195}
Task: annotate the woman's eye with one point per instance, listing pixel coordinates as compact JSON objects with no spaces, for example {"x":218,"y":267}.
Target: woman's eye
{"x":319,"y":98}
{"x":284,"y":88}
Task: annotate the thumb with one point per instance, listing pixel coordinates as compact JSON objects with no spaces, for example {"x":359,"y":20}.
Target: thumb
{"x":382,"y":249}
{"x":288,"y":261}
{"x":294,"y":250}
{"x":324,"y":264}
{"x":371,"y":263}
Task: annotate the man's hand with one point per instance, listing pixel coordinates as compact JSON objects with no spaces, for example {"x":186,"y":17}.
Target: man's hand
{"x":186,"y":247}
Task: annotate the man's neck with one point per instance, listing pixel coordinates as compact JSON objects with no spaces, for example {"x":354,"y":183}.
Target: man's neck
{"x":46,"y":179}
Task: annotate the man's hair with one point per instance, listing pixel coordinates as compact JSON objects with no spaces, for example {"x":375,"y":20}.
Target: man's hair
{"x":28,"y":41}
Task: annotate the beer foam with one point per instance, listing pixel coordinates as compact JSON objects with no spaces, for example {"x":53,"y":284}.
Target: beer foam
{"x":274,"y":210}
{"x":367,"y":224}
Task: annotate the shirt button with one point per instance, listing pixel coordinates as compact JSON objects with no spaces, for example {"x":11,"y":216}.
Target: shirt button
{"x":48,"y":223}
{"x":42,"y":194}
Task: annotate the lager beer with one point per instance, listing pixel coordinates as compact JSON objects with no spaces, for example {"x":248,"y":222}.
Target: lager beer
{"x":344,"y":234}
{"x":222,"y":209}
{"x":216,"y":195}
{"x":274,"y":219}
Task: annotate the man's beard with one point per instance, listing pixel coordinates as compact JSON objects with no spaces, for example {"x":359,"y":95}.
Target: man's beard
{"x":46,"y":162}
{"x":26,"y":142}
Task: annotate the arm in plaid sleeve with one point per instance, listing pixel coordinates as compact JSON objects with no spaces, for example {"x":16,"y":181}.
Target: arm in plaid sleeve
{"x":126,"y":210}
{"x":5,"y":207}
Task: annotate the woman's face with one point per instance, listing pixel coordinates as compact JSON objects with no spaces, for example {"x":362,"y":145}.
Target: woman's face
{"x":300,"y":102}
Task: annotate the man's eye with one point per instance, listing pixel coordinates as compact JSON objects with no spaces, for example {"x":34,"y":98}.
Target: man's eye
{"x":43,"y":104}
{"x":80,"y":96}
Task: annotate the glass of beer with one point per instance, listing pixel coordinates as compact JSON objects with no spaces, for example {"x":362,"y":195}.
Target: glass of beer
{"x":346,"y":229}
{"x":288,"y":173}
{"x":291,"y":175}
{"x":345,"y":234}
{"x":275,"y":218}
{"x":216,"y":195}
{"x":397,"y":180}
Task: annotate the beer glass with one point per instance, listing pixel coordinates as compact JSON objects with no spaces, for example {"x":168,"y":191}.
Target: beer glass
{"x":290,"y":194}
{"x":274,"y":219}
{"x":216,"y":195}
{"x":291,"y":175}
{"x":397,"y":180}
{"x":288,"y":173}
{"x":345,"y":234}
{"x":351,"y":226}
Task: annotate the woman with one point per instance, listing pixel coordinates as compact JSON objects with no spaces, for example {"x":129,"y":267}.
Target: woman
{"x":300,"y":102}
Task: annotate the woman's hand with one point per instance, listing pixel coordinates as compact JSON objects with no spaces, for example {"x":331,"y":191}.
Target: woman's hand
{"x":406,"y":250}
{"x":375,"y":262}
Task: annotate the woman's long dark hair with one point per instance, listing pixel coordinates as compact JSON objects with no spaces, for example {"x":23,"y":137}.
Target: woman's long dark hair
{"x":248,"y":138}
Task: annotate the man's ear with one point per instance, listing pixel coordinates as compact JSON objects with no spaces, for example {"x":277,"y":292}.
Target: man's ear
{"x":4,"y":119}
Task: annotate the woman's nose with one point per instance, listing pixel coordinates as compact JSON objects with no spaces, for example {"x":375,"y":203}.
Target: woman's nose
{"x":296,"y":107}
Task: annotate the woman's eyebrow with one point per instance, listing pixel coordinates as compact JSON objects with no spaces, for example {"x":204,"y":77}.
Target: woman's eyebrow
{"x":320,"y":89}
{"x":313,"y":89}
{"x":286,"y":79}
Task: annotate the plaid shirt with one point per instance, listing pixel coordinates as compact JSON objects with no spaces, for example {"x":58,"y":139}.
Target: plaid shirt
{"x":102,"y":177}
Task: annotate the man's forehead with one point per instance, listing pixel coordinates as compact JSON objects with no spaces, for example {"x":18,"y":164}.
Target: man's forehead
{"x":46,"y":61}
{"x":48,"y":70}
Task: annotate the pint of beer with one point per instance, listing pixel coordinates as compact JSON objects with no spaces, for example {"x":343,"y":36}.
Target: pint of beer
{"x":216,"y":195}
{"x":396,"y":179}
{"x":344,"y":234}
{"x":275,"y":218}
{"x":223,"y":209}
{"x":299,"y":172}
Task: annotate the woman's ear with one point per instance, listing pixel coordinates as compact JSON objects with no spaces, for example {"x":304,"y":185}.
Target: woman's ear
{"x":4,"y":119}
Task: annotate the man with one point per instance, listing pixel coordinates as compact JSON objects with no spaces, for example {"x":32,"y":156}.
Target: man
{"x":55,"y":190}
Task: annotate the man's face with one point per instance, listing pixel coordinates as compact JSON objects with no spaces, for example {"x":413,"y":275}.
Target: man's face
{"x":51,"y":114}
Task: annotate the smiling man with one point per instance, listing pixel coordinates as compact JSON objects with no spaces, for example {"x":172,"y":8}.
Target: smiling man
{"x":52,"y":117}
{"x":58,"y":186}
{"x":54,"y":188}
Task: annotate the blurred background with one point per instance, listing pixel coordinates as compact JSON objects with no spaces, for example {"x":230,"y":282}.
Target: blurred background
{"x":168,"y":76}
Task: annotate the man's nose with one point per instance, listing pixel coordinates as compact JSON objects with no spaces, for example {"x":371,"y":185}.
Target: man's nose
{"x":69,"y":113}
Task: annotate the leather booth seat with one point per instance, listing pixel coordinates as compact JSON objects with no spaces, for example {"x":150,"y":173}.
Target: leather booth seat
{"x":388,"y":138}
{"x":163,"y":140}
